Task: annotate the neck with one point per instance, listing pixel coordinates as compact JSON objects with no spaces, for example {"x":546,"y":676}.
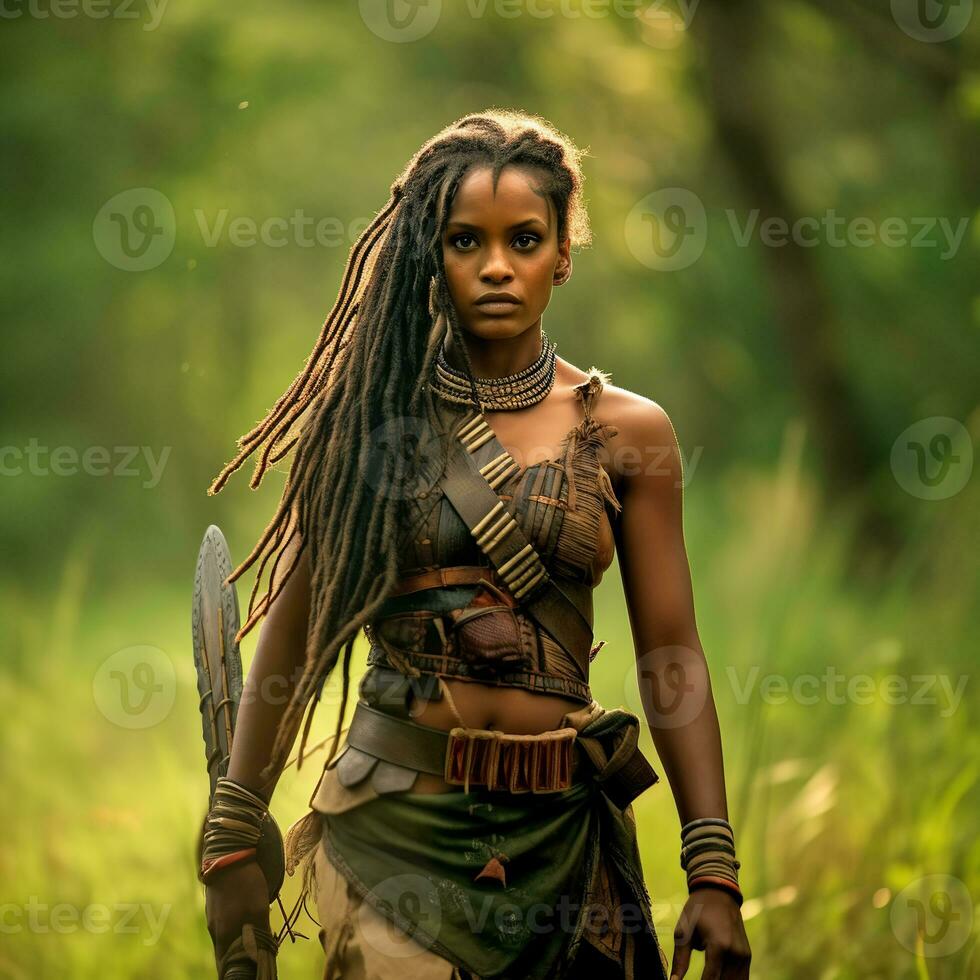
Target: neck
{"x":497,"y":358}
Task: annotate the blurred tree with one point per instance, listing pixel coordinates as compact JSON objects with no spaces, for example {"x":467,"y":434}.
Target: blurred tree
{"x":735,"y":89}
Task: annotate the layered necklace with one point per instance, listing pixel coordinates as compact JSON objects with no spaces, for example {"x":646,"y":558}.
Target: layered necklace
{"x":504,"y":394}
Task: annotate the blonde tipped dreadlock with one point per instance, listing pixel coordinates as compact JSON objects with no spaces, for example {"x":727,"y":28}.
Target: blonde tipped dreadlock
{"x":369,"y":368}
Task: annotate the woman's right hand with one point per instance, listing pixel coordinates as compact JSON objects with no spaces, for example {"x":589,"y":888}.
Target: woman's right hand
{"x":234,"y":896}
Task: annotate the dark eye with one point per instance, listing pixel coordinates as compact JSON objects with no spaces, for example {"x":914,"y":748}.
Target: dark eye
{"x":527,"y":234}
{"x":456,"y":238}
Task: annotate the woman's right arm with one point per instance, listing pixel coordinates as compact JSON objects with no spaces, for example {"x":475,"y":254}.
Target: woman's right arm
{"x":239,"y":894}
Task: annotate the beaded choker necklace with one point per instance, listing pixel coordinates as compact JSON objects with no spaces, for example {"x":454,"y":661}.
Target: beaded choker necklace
{"x":510,"y":392}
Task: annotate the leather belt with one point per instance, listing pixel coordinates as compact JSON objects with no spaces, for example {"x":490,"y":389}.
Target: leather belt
{"x":404,"y":743}
{"x":453,"y":575}
{"x":391,"y":748}
{"x":579,"y":592}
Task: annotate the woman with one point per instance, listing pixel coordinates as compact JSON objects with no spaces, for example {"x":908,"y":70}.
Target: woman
{"x":457,"y":492}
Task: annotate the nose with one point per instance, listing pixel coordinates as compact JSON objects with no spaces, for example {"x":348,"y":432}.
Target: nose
{"x":496,"y":268}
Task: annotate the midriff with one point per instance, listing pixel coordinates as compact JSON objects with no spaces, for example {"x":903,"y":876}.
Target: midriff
{"x":510,"y":710}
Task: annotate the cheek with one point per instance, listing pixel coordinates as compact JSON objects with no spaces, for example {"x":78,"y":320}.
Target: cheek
{"x":455,"y":274}
{"x":539,"y":271}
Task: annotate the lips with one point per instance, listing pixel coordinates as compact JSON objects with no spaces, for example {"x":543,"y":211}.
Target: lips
{"x":498,"y":299}
{"x":498,"y":304}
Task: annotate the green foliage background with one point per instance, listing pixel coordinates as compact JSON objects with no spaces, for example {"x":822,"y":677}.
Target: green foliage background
{"x":259,"y":111}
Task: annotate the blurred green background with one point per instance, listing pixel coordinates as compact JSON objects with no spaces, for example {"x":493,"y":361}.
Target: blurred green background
{"x":821,"y":383}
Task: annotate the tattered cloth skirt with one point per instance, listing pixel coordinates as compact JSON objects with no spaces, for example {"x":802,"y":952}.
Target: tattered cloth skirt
{"x":480,"y":885}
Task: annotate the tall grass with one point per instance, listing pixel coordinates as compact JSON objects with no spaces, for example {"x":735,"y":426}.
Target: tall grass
{"x":838,"y":807}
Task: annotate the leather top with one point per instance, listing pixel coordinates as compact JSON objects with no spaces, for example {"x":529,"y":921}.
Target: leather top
{"x":565,"y":506}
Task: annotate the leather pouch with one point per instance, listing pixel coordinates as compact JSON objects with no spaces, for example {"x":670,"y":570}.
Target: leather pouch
{"x":407,"y":632}
{"x":488,"y":639}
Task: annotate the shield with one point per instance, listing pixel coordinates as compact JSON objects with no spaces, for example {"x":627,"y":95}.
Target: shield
{"x":215,"y":624}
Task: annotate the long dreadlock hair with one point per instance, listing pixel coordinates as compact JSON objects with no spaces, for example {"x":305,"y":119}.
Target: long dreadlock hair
{"x":368,"y":370}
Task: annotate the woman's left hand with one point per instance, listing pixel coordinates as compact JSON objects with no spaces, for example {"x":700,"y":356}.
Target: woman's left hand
{"x":712,"y":921}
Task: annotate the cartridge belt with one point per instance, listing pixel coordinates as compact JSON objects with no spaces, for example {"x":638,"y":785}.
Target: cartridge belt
{"x":543,"y":763}
{"x":385,"y":743}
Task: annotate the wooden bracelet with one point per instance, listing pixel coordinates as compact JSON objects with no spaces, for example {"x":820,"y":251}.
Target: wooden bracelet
{"x":708,"y":881}
{"x":222,"y":862}
{"x":704,"y":822}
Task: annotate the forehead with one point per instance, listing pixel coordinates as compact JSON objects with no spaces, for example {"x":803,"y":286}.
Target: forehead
{"x":519,"y":195}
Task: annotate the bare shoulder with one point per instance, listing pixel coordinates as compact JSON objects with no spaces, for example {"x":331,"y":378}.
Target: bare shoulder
{"x":645,"y":445}
{"x":645,"y":438}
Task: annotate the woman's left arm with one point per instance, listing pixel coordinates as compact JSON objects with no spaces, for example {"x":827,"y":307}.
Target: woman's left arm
{"x":671,"y":668}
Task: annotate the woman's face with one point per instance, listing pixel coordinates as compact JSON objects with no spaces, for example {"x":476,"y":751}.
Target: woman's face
{"x":503,"y":243}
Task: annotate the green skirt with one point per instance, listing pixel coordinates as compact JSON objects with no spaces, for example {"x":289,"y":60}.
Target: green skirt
{"x":503,"y":885}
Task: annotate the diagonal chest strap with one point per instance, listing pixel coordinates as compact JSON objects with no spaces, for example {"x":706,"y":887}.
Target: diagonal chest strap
{"x":502,"y":540}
